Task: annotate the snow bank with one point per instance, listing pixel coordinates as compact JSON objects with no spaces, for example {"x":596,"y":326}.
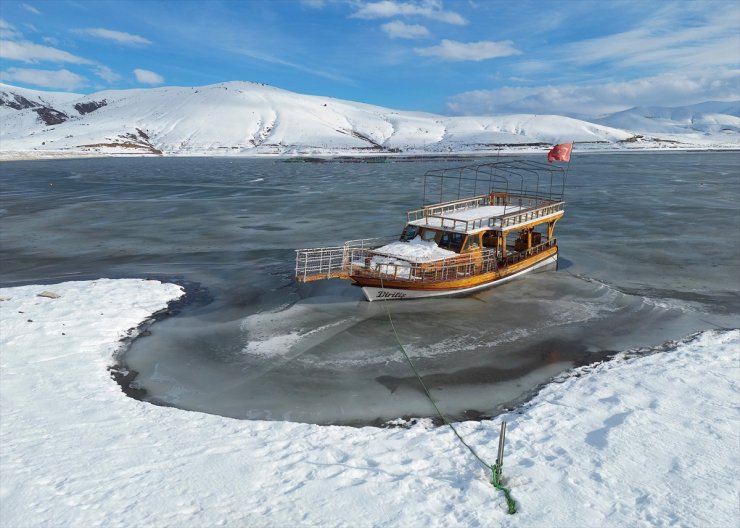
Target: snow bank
{"x":651,"y":441}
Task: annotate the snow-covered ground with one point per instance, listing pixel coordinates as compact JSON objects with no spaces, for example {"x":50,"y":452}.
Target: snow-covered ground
{"x":647,"y":441}
{"x":251,"y":119}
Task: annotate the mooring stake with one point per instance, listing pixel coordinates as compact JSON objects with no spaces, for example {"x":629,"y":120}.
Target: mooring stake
{"x":500,"y":458}
{"x":497,"y":468}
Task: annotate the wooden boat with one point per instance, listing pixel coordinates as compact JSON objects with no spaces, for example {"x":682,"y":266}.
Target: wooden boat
{"x":501,"y":231}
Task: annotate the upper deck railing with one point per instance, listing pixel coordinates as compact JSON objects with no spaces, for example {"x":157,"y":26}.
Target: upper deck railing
{"x":522,"y":209}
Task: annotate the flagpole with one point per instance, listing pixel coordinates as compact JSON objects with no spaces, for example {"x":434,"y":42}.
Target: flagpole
{"x":498,"y":156}
{"x":565,"y":178}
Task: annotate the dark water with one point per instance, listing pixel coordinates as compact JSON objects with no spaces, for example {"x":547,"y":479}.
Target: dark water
{"x":650,"y":246}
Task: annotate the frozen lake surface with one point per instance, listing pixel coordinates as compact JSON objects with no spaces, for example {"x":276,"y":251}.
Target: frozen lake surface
{"x":649,"y":251}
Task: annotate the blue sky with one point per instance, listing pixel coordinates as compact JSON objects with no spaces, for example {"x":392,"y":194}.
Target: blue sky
{"x":571,"y":57}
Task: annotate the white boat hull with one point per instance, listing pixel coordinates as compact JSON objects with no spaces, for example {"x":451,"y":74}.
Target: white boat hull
{"x":396,"y":294}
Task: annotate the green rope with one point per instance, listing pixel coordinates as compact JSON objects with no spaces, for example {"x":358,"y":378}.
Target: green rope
{"x":496,"y":481}
{"x":495,"y":470}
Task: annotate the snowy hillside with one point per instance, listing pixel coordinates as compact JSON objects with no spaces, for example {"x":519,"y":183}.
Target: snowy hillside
{"x":243,"y":118}
{"x":715,"y":119}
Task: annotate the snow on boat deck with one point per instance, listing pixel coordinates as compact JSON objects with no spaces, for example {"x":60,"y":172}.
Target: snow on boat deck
{"x":649,"y":441}
{"x":486,"y":211}
{"x":476,"y":219}
{"x":468,"y":215}
{"x":416,"y":250}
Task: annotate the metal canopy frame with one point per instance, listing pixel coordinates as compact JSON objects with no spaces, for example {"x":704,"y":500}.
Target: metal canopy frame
{"x":499,"y":176}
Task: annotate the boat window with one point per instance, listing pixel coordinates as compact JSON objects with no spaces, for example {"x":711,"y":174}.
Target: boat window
{"x":428,"y":234}
{"x":473,"y":242}
{"x":451,"y":241}
{"x":409,"y":232}
{"x":490,"y":239}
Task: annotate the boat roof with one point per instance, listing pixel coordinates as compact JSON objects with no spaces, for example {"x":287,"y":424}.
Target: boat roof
{"x":474,"y":213}
{"x":489,"y":217}
{"x":453,"y":221}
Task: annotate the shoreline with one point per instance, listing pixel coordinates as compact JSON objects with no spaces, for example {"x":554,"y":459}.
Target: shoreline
{"x":331,"y":156}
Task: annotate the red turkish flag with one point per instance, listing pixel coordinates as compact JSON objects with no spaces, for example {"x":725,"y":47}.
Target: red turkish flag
{"x":560,"y":152}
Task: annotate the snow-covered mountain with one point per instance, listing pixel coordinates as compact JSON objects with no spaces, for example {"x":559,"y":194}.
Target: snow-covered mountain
{"x":714,"y":118}
{"x":243,"y":118}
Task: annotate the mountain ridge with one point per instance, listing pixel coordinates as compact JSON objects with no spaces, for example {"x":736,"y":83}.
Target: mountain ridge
{"x":247,"y":118}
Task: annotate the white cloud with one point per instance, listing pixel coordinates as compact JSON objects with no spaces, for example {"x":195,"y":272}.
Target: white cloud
{"x":431,"y":9}
{"x":397,"y":29}
{"x":31,"y":9}
{"x":116,"y":36}
{"x":682,"y":55}
{"x":669,"y":89}
{"x":8,"y":31}
{"x":664,"y":41}
{"x":29,"y":52}
{"x":533,"y":66}
{"x":148,"y":77}
{"x":452,"y":50}
{"x":266,"y":57}
{"x":105,"y":73}
{"x":63,"y":79}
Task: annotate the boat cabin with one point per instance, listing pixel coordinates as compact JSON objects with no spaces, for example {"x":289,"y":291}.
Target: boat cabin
{"x":476,"y":241}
